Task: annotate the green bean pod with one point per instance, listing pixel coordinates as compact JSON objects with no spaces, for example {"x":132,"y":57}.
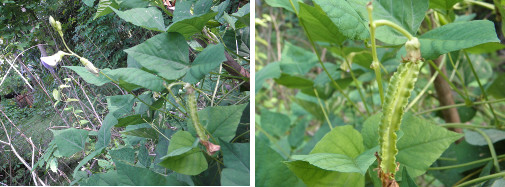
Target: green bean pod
{"x":200,"y":131}
{"x":400,"y":86}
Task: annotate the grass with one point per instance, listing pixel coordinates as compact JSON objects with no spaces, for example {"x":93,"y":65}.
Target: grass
{"x":33,"y":124}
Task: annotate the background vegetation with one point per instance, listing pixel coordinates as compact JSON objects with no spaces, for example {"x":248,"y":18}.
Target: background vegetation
{"x":67,"y":104}
{"x":297,"y":103}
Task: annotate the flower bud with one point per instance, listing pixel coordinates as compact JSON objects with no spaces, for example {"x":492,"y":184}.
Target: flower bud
{"x":58,"y":26}
{"x":89,"y":66}
{"x":413,"y":48}
{"x":52,"y":22}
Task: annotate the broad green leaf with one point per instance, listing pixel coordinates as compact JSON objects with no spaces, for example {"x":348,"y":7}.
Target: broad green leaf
{"x":296,"y":60}
{"x":88,"y":76}
{"x":297,"y":133}
{"x":104,"y":133}
{"x":284,"y":4}
{"x":243,"y":14}
{"x":407,"y":181}
{"x":132,"y":120}
{"x":319,"y":26}
{"x":269,"y":162}
{"x":456,"y":36}
{"x":132,"y":63}
{"x":167,"y":50}
{"x":124,"y":155}
{"x":475,"y":138}
{"x":110,"y":178}
{"x":146,"y":177}
{"x":70,"y":141}
{"x":161,"y":148}
{"x":274,"y":123}
{"x":147,"y":132}
{"x":143,"y":156}
{"x":89,"y":2}
{"x":192,"y":25}
{"x":341,"y":140}
{"x":490,"y":47}
{"x":219,"y":121}
{"x":314,"y":176}
{"x":406,"y":13}
{"x":220,"y":9}
{"x":350,"y":17}
{"x":272,"y":70}
{"x":344,"y":141}
{"x":294,"y":81}
{"x":189,"y":162}
{"x":137,"y":78}
{"x":104,"y":7}
{"x":232,"y":21}
{"x":120,"y":105}
{"x":443,"y":4}
{"x":496,"y":88}
{"x":419,"y":135}
{"x":339,"y":162}
{"x":206,"y":61}
{"x":182,"y":10}
{"x":236,"y":162}
{"x":147,"y":98}
{"x":202,"y":7}
{"x":311,"y":107}
{"x":133,"y":3}
{"x":148,"y":18}
{"x":498,"y":182}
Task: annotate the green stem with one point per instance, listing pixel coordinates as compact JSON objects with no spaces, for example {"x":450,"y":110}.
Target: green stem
{"x":229,"y":92}
{"x":465,"y":126}
{"x":400,"y":29}
{"x":459,"y":105}
{"x":465,"y":164}
{"x":460,"y":77}
{"x":482,"y":89}
{"x":156,"y":129}
{"x":322,"y":108}
{"x":356,"y":81}
{"x":375,"y":60}
{"x":480,"y":3}
{"x":480,"y":179}
{"x":491,"y":148}
{"x":227,"y":75}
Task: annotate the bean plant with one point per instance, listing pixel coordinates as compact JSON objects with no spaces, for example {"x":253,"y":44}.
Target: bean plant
{"x":367,"y":104}
{"x":183,"y":117}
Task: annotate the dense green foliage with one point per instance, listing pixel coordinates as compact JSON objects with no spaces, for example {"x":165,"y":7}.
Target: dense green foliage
{"x":132,"y":116}
{"x":337,"y":93}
